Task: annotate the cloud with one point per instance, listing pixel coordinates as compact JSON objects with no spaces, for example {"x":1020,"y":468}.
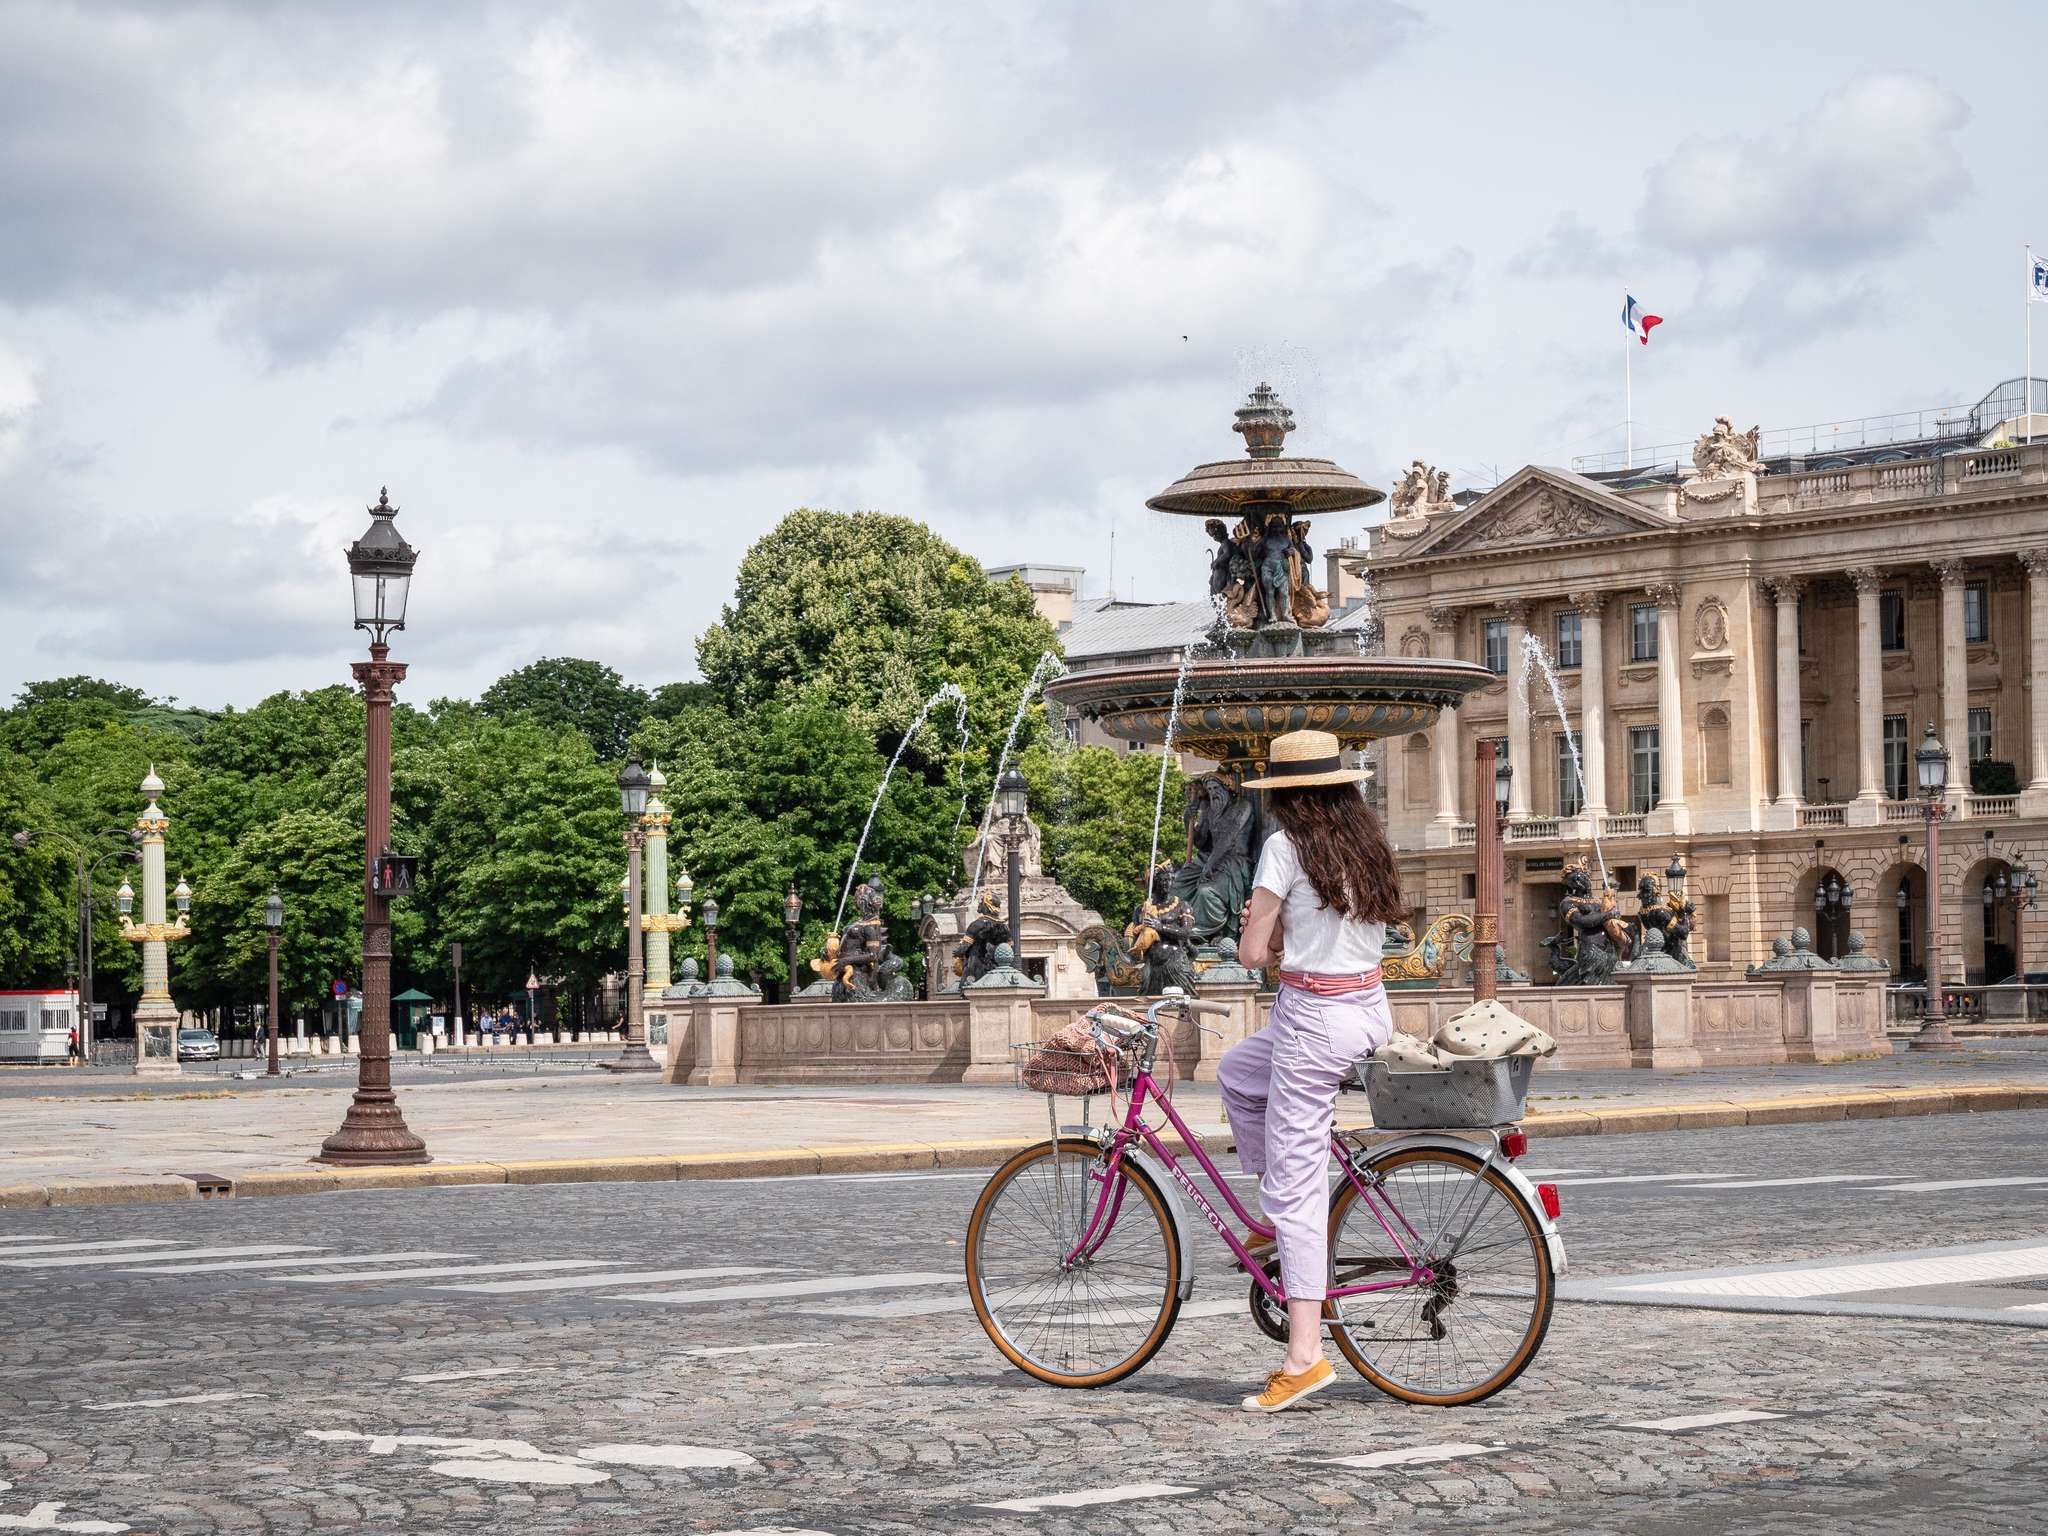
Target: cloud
{"x":1861,"y":174}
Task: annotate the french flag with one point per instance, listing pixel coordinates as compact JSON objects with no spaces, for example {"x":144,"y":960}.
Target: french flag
{"x":1637,"y":321}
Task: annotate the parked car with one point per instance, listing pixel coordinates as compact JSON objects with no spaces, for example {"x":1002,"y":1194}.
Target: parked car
{"x":198,"y":1045}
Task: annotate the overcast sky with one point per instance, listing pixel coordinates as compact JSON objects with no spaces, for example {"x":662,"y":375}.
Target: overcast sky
{"x":600,"y":291}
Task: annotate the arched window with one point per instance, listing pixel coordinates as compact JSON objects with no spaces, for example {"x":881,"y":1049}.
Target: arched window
{"x":1714,"y":767}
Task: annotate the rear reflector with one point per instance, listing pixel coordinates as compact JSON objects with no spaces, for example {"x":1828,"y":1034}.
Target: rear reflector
{"x":1547,"y":1193}
{"x":1514,"y":1144}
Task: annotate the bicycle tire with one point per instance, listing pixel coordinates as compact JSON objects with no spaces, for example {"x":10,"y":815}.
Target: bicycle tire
{"x":1347,"y":1318}
{"x":1026,"y":1352}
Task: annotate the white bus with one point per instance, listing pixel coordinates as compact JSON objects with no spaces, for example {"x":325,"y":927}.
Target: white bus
{"x":35,"y":1026}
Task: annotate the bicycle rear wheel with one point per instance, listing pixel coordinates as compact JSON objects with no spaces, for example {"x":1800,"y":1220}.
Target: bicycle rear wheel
{"x":1477,"y":1326}
{"x":1085,"y":1324}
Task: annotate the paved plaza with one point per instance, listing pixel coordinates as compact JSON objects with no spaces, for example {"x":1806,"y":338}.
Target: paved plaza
{"x":797,"y":1355}
{"x":214,"y":1123}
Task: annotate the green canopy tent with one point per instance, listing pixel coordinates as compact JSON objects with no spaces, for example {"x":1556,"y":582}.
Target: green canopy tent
{"x":408,"y":1014}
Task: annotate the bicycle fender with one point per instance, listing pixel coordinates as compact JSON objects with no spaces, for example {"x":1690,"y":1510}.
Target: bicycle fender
{"x":1183,"y":1231}
{"x":1552,"y":1238}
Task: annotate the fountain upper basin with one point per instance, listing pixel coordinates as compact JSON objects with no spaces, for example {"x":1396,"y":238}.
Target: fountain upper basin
{"x":1232,"y":709}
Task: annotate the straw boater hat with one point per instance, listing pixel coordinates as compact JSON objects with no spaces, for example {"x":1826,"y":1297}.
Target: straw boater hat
{"x":1304,"y":759}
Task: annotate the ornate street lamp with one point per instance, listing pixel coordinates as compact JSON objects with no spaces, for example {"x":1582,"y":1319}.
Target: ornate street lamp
{"x":792,"y":924}
{"x":380,"y":565}
{"x":710,"y":912}
{"x":1013,"y":805}
{"x":634,"y":786}
{"x":1503,"y":789}
{"x":273,"y":927}
{"x":1674,"y":877}
{"x":1930,"y":762}
{"x":2016,"y":890}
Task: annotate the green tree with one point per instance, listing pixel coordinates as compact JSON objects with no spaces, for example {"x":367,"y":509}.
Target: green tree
{"x":1094,"y":807}
{"x":587,"y":696}
{"x":870,"y":614}
{"x":37,"y":883}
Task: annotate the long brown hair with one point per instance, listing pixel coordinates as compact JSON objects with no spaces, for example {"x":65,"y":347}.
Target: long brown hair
{"x":1343,"y":850}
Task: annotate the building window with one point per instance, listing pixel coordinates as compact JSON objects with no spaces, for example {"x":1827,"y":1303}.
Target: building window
{"x":1642,"y":632}
{"x":1643,"y":784}
{"x":1976,"y":614}
{"x":1898,"y":761}
{"x":1980,"y":735}
{"x":1570,"y":650}
{"x":1493,"y":638}
{"x":1571,"y":794}
{"x":1891,"y":621}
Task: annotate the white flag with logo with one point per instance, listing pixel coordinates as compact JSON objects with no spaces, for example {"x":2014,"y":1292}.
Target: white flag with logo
{"x":2037,"y":278}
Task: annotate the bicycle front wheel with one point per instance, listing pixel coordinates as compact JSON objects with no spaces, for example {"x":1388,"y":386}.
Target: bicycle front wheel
{"x":1093,"y":1321}
{"x":1478,"y":1324}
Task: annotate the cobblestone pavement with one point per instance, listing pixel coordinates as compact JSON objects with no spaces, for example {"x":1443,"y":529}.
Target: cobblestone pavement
{"x":316,"y":1385}
{"x":222,"y":1126}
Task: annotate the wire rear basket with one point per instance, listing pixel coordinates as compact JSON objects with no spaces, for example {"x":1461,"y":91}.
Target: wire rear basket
{"x":1474,"y":1094}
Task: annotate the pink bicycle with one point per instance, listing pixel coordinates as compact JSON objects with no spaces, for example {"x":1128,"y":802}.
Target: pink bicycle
{"x":1443,"y":1255}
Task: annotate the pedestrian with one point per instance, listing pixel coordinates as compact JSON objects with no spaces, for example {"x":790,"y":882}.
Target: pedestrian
{"x":1325,"y":890}
{"x":71,"y":1050}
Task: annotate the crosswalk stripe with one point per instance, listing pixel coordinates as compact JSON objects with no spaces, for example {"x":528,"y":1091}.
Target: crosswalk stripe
{"x":316,"y":1261}
{"x":821,"y":1287}
{"x":593,"y":1282}
{"x":1706,"y":1420}
{"x":72,"y":1260}
{"x":433,"y":1272}
{"x":1840,"y":1279}
{"x":1638,"y":1178}
{"x":1411,"y":1456}
{"x":28,"y":1237}
{"x":1818,"y":1178}
{"x":1086,"y":1497}
{"x":1931,"y":1186}
{"x":105,"y":1246}
{"x":432,"y":1377}
{"x":2031,"y":1306}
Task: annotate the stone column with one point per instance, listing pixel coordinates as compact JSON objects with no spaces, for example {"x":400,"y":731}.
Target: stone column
{"x":1784,"y":591}
{"x":1955,"y":680}
{"x":1519,"y":755}
{"x":1593,"y":701}
{"x":654,"y":889}
{"x":1670,"y":710}
{"x":1869,"y":686}
{"x":2036,"y":562}
{"x":1444,"y":757}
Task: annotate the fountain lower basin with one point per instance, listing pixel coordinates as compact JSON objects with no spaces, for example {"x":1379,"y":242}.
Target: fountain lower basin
{"x":1231,"y":709}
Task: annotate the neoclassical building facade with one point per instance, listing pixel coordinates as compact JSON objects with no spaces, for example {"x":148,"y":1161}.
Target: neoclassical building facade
{"x":1744,"y":656}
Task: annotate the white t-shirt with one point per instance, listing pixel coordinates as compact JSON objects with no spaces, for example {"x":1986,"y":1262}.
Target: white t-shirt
{"x":1318,"y":941}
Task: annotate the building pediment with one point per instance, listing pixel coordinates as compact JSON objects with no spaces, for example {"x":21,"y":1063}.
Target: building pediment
{"x":1537,"y":508}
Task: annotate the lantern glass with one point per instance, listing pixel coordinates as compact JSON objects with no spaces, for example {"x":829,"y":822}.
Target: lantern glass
{"x":685,"y":888}
{"x":124,"y":899}
{"x":1931,"y":761}
{"x":792,"y":908}
{"x":710,"y":912}
{"x":380,"y":568}
{"x":1503,"y":782}
{"x":182,"y":896}
{"x":1902,"y":900}
{"x":1989,"y":895}
{"x":273,"y":911}
{"x":633,"y":783}
{"x":1013,"y":795}
{"x":1674,"y":874}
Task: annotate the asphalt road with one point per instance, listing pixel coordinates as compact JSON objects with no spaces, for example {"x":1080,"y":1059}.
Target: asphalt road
{"x":794,"y":1355}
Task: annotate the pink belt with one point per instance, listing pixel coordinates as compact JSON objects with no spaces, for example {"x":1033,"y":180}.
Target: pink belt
{"x":1331,"y":986}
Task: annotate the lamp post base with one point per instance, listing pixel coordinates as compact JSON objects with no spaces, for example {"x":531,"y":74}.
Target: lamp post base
{"x":1934,"y":1036}
{"x":634,"y":1058}
{"x":373,"y":1134}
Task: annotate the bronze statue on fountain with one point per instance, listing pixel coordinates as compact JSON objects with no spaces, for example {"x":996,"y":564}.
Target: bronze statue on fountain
{"x":1666,"y":913}
{"x":1161,"y":937}
{"x":1591,"y":940}
{"x":860,"y":963}
{"x":975,"y":955}
{"x":1217,"y":876}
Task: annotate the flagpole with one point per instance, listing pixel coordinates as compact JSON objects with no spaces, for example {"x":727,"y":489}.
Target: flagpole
{"x":1628,"y":385}
{"x":2027,"y":378}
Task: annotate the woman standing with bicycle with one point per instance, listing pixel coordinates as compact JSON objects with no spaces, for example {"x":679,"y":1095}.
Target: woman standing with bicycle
{"x":1325,"y":890}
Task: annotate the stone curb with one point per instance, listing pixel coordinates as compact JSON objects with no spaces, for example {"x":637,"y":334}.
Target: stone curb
{"x":1806,"y":1109}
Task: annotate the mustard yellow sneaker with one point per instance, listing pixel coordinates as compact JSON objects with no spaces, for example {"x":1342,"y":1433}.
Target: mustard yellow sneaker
{"x":1260,"y":1248}
{"x":1284,"y":1391}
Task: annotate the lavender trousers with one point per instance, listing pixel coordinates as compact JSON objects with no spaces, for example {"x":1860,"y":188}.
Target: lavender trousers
{"x":1280,"y":1091}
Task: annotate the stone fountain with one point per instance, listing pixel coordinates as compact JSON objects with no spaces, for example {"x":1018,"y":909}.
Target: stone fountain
{"x":1277,"y":666}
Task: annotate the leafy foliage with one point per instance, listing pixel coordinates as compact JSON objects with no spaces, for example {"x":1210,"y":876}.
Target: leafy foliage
{"x":586,"y":696}
{"x":1095,"y":806}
